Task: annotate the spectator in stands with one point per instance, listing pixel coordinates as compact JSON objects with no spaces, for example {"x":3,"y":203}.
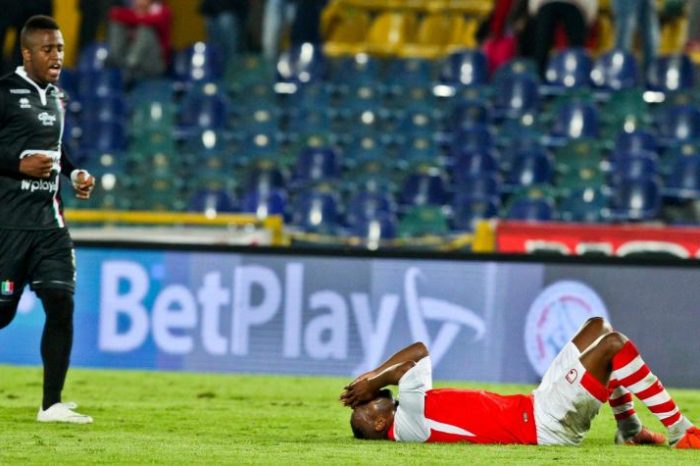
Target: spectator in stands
{"x":306,"y":26}
{"x":277,"y":14}
{"x":225,"y":21}
{"x":93,"y":14}
{"x":507,"y":31}
{"x":573,"y":15}
{"x":640,"y":16}
{"x":14,"y":14}
{"x":134,"y":33}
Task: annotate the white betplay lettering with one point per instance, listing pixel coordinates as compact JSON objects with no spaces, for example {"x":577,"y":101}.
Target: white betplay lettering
{"x":174,"y":308}
{"x":334,"y":323}
{"x":247,"y":315}
{"x":129,"y":305}
{"x":218,"y":320}
{"x":373,"y":337}
{"x":212,"y":297}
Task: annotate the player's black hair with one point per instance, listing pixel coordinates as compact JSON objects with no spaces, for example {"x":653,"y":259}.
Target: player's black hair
{"x":355,"y":423}
{"x":37,"y":23}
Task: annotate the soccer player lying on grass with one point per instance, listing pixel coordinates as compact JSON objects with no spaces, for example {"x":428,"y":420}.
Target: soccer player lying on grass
{"x":596,"y":366}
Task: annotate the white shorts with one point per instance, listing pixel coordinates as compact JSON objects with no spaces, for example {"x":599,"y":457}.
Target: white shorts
{"x":567,"y":400}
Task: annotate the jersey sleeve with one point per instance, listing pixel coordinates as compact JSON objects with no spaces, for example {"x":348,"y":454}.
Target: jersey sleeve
{"x":410,"y":424}
{"x":67,"y":165}
{"x":8,"y":160}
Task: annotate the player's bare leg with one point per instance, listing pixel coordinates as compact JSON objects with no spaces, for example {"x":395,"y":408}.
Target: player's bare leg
{"x":615,"y":361}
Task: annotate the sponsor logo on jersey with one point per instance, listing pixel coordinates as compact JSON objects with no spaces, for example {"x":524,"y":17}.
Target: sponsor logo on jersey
{"x":24,"y":103}
{"x":46,"y":118}
{"x":39,"y":185}
{"x":7,"y":288}
{"x":555,"y":316}
{"x":20,"y":91}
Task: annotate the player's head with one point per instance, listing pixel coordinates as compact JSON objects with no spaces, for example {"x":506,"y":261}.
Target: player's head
{"x":372,"y":420}
{"x":141,"y":5}
{"x":42,"y":49}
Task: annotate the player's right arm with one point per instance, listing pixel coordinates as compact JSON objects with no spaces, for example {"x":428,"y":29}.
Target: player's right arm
{"x":8,"y":161}
{"x":366,"y":386}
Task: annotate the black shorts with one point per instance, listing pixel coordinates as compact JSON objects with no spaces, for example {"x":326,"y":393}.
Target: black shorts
{"x":42,"y":258}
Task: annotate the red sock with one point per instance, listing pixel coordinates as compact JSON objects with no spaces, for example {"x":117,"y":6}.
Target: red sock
{"x":621,"y":403}
{"x":630,"y":371}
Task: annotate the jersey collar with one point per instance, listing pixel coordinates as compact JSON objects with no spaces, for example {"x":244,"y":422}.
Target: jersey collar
{"x":42,"y":92}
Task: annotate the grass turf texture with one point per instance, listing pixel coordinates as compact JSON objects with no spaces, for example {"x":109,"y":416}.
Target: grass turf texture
{"x":176,"y":418}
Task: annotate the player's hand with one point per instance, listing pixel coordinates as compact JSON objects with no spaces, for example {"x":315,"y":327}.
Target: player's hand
{"x":358,"y":392}
{"x":83,"y":184}
{"x":36,"y":165}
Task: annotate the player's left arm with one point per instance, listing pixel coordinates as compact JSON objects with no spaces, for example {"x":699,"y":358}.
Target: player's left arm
{"x":82,"y":181}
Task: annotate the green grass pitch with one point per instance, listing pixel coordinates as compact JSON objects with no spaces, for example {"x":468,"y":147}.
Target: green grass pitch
{"x":176,"y":418}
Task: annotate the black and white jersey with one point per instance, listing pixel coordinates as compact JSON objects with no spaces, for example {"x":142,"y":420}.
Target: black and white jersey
{"x":31,"y":121}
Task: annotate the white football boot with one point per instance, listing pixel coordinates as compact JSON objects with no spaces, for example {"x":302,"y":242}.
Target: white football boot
{"x":63,"y":412}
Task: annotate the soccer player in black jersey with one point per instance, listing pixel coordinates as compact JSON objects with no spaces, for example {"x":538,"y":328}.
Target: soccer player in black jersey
{"x":35,"y":247}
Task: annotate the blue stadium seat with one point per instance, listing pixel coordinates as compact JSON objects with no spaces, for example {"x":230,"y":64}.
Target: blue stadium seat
{"x":616,"y":70}
{"x":636,"y":199}
{"x":210,"y":202}
{"x":375,"y":229}
{"x":198,"y":62}
{"x":316,"y":164}
{"x":465,"y":68}
{"x":317,"y":210}
{"x":264,"y":175}
{"x":93,"y":57}
{"x":476,"y":137}
{"x":634,"y":165}
{"x":265,"y":202}
{"x":586,"y":205}
{"x":365,"y":205}
{"x":531,"y":209}
{"x":569,"y":68}
{"x":104,"y":136}
{"x":301,"y":64}
{"x":683,"y":181}
{"x":478,"y":185}
{"x":467,"y":113}
{"x":516,"y":95}
{"x":68,"y":82}
{"x":634,"y":141}
{"x":468,"y":210}
{"x":204,"y":110}
{"x":671,"y":73}
{"x":108,"y":108}
{"x":104,"y":82}
{"x":468,"y":164}
{"x":678,"y":123}
{"x":424,"y":186}
{"x":575,"y":120}
{"x":530,"y":167}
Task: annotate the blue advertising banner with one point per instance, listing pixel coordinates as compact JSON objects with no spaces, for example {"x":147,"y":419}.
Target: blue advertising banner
{"x":238,"y":312}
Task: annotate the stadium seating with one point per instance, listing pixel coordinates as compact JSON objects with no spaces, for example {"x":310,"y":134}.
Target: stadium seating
{"x":301,"y":64}
{"x":199,"y":62}
{"x":465,"y":68}
{"x":670,"y":73}
{"x":265,"y":202}
{"x":636,"y":199}
{"x":616,"y":70}
{"x":317,"y":210}
{"x":211,"y":202}
{"x":468,"y":210}
{"x":569,"y":68}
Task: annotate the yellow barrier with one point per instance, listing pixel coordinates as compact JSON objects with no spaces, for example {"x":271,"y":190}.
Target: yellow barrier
{"x":273,"y":223}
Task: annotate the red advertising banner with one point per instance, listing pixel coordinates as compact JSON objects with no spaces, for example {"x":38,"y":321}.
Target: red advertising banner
{"x":609,"y":240}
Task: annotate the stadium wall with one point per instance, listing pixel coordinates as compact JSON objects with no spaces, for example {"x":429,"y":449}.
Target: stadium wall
{"x":486,"y":318}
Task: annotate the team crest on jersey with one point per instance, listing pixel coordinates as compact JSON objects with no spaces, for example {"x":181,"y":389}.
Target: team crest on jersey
{"x":24,"y":103}
{"x":7,"y":288}
{"x":571,"y":376}
{"x":46,"y":118}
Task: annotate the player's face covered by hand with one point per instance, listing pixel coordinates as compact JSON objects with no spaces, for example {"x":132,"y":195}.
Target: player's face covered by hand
{"x":43,"y":56}
{"x":371,"y":420}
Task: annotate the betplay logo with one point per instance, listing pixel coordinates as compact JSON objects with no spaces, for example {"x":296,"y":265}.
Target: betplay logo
{"x":221,"y":319}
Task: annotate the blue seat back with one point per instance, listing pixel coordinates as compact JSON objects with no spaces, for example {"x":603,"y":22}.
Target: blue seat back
{"x":616,"y":70}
